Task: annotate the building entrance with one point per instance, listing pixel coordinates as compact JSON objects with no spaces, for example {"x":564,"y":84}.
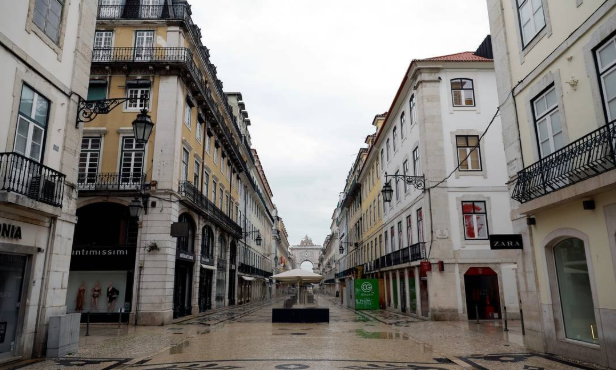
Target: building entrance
{"x":12,"y":269}
{"x":482,"y":296}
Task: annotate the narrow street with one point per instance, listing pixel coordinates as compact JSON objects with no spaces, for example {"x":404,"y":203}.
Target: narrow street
{"x":245,"y":338}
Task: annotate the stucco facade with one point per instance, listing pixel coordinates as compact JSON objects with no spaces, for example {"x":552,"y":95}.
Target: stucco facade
{"x":564,"y":59}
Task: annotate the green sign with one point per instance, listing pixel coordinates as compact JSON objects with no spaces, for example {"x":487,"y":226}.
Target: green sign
{"x":366,"y":294}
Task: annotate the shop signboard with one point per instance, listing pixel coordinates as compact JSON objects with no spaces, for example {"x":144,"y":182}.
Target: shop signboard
{"x":506,"y":241}
{"x":112,"y":258}
{"x":366,"y":294}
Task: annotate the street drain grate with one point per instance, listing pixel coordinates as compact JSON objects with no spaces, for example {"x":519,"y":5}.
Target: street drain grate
{"x":299,"y":333}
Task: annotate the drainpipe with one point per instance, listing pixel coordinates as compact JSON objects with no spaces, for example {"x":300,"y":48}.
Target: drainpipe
{"x":44,"y":279}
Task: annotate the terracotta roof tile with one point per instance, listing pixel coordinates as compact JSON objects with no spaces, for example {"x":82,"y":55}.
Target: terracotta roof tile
{"x":467,"y":56}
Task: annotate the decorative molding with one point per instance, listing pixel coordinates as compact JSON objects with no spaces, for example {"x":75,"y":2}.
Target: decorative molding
{"x":100,"y":131}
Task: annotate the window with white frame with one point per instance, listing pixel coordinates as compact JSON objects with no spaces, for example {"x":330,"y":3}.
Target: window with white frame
{"x":188,"y":116}
{"x":208,"y":143}
{"x":463,"y":92}
{"x":131,"y":162}
{"x":199,"y":133}
{"x":469,"y":152}
{"x":139,"y":98}
{"x":548,"y":127}
{"x":402,"y":124}
{"x":214,"y":191}
{"x":215,"y":155}
{"x":400,"y":236}
{"x":103,"y":42}
{"x":387,"y":148}
{"x":206,"y":183}
{"x":89,"y":159}
{"x":387,"y":248}
{"x":197,"y":173}
{"x":220,"y":200}
{"x":395,"y":137}
{"x":416,"y":163}
{"x":47,"y":16}
{"x":409,"y":230}
{"x":420,"y":226}
{"x":144,"y":45}
{"x":31,"y":124}
{"x":405,"y":171}
{"x":185,"y":156}
{"x":397,"y":185}
{"x":606,"y":62}
{"x":475,"y":220}
{"x":392,"y":238}
{"x":532,"y":19}
{"x":382,"y":158}
{"x":413,"y":110}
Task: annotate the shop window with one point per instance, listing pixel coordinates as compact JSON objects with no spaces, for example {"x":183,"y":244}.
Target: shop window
{"x":475,"y":220}
{"x":575,"y":291}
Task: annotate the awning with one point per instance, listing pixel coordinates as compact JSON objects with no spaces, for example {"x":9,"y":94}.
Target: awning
{"x":208,"y":267}
{"x":247,"y":278}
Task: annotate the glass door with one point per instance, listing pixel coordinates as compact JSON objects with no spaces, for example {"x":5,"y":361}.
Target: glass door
{"x":144,"y":42}
{"x":12,"y":268}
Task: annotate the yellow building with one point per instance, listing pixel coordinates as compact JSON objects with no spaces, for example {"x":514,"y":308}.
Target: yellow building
{"x":180,"y":257}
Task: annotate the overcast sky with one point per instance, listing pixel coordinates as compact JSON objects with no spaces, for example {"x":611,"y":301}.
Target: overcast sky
{"x":314,"y":73}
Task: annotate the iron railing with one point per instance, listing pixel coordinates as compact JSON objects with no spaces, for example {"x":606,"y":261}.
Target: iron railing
{"x":179,"y":12}
{"x":111,"y":181}
{"x":587,"y":157}
{"x":22,"y":175}
{"x":213,"y":213}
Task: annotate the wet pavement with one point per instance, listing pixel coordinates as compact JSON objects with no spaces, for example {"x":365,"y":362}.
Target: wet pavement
{"x":245,"y":338}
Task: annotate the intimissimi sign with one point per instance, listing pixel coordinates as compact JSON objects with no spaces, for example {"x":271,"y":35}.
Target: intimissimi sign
{"x":10,"y":231}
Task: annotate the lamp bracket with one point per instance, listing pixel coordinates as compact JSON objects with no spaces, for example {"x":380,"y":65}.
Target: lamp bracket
{"x":88,"y":110}
{"x":418,"y":182}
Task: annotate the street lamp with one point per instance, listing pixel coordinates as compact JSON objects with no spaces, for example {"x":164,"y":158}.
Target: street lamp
{"x":259,"y":240}
{"x":418,"y":182}
{"x":88,"y":110}
{"x":134,"y":208}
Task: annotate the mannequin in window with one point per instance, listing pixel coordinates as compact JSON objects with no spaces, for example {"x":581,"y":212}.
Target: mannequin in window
{"x":112,"y":295}
{"x":81,"y":297}
{"x":96,"y":292}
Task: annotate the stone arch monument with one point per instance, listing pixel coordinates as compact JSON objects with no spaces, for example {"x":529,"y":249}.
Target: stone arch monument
{"x":306,"y":251}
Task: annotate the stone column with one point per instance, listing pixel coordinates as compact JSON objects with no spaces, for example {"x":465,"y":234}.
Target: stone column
{"x":399,"y":305}
{"x":196,"y":268}
{"x":407,"y":290}
{"x":391,"y":289}
{"x":417,"y":291}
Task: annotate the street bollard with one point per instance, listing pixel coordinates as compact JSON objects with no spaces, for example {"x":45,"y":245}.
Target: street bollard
{"x":506,"y":328}
{"x":477,"y":313}
{"x":88,"y":324}
{"x":522,"y":321}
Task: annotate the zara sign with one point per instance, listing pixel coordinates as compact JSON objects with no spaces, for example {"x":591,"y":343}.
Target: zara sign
{"x":506,"y":241}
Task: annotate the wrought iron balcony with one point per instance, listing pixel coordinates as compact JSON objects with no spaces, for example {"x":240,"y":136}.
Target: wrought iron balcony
{"x":111,"y":181}
{"x":587,"y":157}
{"x":213,"y":213}
{"x":22,"y":175}
{"x":145,"y":55}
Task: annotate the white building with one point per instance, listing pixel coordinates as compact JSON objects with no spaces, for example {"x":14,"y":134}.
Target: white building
{"x":435,"y":128}
{"x":45,"y":58}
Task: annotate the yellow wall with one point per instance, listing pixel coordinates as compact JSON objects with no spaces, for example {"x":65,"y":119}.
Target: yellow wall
{"x":372,"y":231}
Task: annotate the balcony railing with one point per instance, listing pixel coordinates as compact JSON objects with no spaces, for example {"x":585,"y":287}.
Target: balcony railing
{"x":213,"y":213}
{"x":22,"y":175}
{"x":587,"y":157}
{"x":111,"y":181}
{"x":146,"y":55}
{"x":172,"y":12}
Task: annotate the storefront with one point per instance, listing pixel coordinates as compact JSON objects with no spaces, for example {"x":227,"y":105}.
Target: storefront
{"x":221,"y":272}
{"x":102,"y":266}
{"x":206,"y":274}
{"x":12,"y":273}
{"x":482,"y":294}
{"x":184,"y":263}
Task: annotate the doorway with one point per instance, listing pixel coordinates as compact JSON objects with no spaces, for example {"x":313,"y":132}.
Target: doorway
{"x":403,"y":293}
{"x":205,"y":290}
{"x":482,"y":294}
{"x":232,"y":272}
{"x":182,"y":296}
{"x":12,"y":269}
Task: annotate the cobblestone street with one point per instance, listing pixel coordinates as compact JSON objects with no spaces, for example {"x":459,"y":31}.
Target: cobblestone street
{"x":245,"y":338}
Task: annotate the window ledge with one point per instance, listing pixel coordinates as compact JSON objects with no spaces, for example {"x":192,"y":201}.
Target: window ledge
{"x":31,"y":27}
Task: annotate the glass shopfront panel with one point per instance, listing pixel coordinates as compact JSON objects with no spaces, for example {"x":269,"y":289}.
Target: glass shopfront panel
{"x":12,"y":269}
{"x":575,"y":291}
{"x":97,"y":291}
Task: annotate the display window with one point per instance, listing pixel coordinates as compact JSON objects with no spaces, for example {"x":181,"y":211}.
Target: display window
{"x":97,"y":291}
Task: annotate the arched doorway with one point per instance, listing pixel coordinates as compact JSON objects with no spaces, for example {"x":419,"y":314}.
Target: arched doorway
{"x":185,"y":257}
{"x":232,"y":271}
{"x":207,"y":269}
{"x":103,"y":261}
{"x":221,"y":271}
{"x":307,"y":265}
{"x":575,"y":291}
{"x":482,"y":294}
